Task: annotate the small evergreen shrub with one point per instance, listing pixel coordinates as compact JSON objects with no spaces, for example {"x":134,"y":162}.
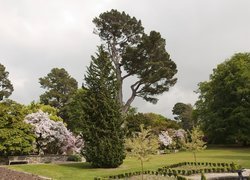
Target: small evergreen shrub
{"x":203,"y":177}
{"x":75,"y":157}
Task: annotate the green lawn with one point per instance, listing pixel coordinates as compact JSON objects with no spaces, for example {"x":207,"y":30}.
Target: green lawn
{"x":84,"y":171}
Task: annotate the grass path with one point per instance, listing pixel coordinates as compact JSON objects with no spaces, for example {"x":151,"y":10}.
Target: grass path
{"x":84,"y":171}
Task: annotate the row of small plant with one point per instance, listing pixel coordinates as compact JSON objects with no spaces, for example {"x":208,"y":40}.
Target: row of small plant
{"x":170,"y":172}
{"x":137,"y":173}
{"x":197,"y":171}
{"x":200,"y":164}
{"x":212,"y":168}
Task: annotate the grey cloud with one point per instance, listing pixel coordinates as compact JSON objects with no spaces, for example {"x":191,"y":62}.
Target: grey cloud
{"x":36,"y":36}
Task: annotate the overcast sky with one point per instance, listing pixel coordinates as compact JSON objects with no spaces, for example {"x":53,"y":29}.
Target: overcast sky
{"x":38,"y":35}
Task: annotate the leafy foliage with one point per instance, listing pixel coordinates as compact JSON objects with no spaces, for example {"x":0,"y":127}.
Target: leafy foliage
{"x":75,"y":112}
{"x":184,"y":113}
{"x":52,"y":111}
{"x":52,"y":137}
{"x":16,"y":137}
{"x":102,"y":122}
{"x":6,"y":88}
{"x":157,"y":122}
{"x":224,"y":102}
{"x":60,"y":87}
{"x":75,"y":157}
{"x":195,"y":141}
{"x":137,"y":54}
{"x":142,"y":144}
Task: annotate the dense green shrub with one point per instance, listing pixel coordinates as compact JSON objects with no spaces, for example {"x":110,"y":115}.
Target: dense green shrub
{"x":75,"y":157}
{"x":203,"y":177}
{"x":16,"y":136}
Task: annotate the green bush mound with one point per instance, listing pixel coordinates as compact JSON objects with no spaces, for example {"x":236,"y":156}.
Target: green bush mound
{"x":75,"y":157}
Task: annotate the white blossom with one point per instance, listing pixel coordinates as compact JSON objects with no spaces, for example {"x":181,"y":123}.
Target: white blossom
{"x":172,"y":136}
{"x":165,"y":139}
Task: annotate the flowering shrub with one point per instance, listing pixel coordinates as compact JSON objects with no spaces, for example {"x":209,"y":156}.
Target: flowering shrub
{"x":53,"y":137}
{"x":165,"y":139}
{"x":180,"y":133}
{"x":172,"y":139}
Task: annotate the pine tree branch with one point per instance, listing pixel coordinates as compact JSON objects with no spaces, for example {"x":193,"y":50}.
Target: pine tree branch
{"x":127,"y":75}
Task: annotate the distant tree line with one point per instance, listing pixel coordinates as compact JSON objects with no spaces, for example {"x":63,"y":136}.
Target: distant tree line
{"x":222,"y":108}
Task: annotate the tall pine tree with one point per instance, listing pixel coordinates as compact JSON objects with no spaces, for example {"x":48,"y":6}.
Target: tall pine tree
{"x":102,"y":124}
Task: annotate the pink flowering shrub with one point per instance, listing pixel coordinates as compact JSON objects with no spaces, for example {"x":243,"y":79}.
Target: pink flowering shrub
{"x":53,"y":137}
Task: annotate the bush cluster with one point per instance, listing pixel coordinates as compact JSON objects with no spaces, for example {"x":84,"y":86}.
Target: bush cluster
{"x":75,"y":157}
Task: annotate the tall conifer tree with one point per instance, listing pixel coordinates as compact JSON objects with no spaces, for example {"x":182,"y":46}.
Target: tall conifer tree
{"x":6,"y":87}
{"x":102,"y":124}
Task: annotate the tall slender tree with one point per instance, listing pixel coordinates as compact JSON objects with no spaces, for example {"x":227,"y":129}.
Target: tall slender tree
{"x":194,"y":142}
{"x":6,"y":88}
{"x":143,"y":144}
{"x":102,"y":122}
{"x":134,"y":53}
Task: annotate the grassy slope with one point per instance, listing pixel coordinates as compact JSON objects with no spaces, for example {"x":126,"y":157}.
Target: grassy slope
{"x":84,"y":171}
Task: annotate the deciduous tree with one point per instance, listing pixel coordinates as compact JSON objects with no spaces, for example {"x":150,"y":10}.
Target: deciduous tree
{"x":184,"y":114}
{"x":52,"y":111}
{"x":224,"y":102}
{"x":16,"y":137}
{"x":157,"y":122}
{"x":195,"y":141}
{"x":142,"y":144}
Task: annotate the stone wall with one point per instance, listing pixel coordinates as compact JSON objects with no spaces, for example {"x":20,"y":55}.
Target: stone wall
{"x":35,"y":159}
{"x":3,"y":160}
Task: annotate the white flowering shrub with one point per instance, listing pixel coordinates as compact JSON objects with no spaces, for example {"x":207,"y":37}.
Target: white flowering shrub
{"x":172,"y":139}
{"x":165,"y":139}
{"x":53,"y":137}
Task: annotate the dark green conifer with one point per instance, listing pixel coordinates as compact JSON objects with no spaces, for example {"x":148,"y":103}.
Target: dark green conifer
{"x":102,"y":124}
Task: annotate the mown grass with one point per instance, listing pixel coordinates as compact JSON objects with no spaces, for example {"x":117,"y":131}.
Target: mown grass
{"x":84,"y":171}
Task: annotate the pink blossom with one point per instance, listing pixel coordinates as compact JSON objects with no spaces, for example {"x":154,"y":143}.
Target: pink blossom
{"x":51,"y":134}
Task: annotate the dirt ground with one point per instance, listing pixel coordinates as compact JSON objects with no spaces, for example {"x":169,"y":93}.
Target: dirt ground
{"x":7,"y":174}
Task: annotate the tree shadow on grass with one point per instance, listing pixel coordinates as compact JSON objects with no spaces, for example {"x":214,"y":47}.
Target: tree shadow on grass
{"x":84,"y":165}
{"x":230,"y":157}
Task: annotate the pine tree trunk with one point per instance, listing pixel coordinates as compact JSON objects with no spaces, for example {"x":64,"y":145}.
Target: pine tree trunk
{"x":116,"y":60}
{"x":120,"y":82}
